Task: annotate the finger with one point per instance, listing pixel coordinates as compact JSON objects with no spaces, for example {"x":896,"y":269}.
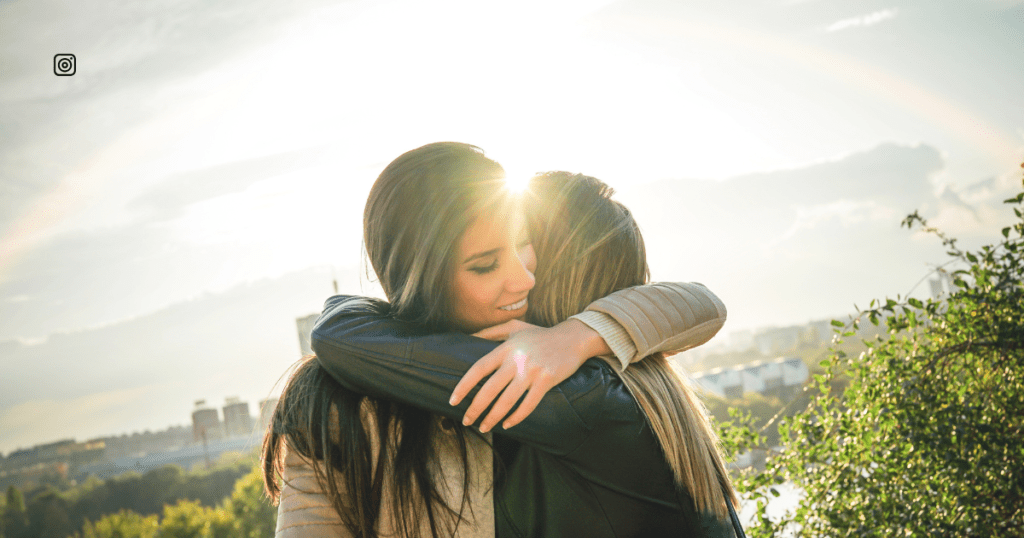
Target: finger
{"x":481,"y":369}
{"x":532,"y":400}
{"x":509,"y":397}
{"x":488,"y":393}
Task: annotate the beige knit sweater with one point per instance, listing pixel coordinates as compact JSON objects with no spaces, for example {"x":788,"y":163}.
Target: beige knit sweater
{"x":304,"y":510}
{"x":635,"y":323}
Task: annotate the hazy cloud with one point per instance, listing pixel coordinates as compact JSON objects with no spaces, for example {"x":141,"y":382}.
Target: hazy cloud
{"x":870,"y":19}
{"x":793,"y":245}
{"x":174,"y":193}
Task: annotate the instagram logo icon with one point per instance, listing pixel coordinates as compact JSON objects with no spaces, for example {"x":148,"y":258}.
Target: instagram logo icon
{"x":64,"y":65}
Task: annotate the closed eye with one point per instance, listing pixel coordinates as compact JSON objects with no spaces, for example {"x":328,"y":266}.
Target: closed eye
{"x":485,"y":270}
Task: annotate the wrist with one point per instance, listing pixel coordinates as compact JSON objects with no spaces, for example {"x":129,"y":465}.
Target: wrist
{"x":586,"y":341}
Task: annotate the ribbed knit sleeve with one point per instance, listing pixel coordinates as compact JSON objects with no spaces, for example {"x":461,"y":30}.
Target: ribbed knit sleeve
{"x":304,"y":509}
{"x":665,"y":316}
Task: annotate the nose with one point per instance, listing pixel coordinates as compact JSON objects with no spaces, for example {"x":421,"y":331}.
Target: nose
{"x":521,"y":278}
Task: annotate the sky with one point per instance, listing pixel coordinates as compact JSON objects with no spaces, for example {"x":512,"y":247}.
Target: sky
{"x":170,"y":209}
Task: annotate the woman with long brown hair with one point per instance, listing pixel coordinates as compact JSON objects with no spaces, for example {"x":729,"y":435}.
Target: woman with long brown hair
{"x":369,"y":431}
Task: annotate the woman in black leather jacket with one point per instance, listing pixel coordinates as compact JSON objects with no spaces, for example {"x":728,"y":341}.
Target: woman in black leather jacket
{"x":587,"y":462}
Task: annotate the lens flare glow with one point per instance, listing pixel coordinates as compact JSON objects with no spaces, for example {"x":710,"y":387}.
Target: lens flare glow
{"x":517,"y":183}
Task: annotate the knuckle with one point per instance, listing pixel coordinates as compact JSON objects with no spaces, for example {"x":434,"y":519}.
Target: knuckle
{"x":475,"y":409}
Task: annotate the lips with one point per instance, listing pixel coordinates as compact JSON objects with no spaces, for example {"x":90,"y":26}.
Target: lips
{"x":514,"y":306}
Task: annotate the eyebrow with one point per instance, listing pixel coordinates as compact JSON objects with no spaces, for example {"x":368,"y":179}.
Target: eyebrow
{"x":484,"y":254}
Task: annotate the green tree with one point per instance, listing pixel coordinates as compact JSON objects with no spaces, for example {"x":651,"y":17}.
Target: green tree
{"x":48,"y":515}
{"x":156,"y":488}
{"x":925,"y":436}
{"x":210,"y":487}
{"x":255,"y":517}
{"x":124,"y":524}
{"x":15,"y":517}
{"x":190,"y":519}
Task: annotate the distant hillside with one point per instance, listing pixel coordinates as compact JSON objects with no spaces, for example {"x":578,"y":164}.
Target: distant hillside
{"x":145,"y":372}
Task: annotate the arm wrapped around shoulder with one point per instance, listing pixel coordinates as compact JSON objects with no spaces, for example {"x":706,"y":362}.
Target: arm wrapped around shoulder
{"x":660,"y":317}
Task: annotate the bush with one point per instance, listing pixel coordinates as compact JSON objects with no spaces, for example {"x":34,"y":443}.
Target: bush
{"x":926,"y":437}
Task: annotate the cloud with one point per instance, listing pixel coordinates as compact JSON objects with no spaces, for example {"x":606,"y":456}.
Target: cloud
{"x":950,"y":198}
{"x":807,"y":243}
{"x":870,"y":19}
{"x":171,"y":195}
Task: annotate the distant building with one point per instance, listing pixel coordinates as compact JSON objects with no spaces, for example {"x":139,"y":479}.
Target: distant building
{"x":187,"y":457}
{"x":39,"y":453}
{"x":779,"y":377}
{"x":771,"y":341}
{"x":305,"y":326}
{"x":236,"y":418}
{"x":141,"y":443}
{"x":821,"y":331}
{"x":741,"y":340}
{"x":205,"y":423}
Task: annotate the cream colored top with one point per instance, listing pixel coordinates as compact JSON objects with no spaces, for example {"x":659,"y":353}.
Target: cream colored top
{"x":304,"y":510}
{"x":635,"y":323}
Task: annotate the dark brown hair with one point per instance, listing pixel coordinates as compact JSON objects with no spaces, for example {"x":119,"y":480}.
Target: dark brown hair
{"x":415,"y":215}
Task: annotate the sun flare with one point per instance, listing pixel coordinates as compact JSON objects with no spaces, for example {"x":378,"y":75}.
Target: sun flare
{"x":517,"y":183}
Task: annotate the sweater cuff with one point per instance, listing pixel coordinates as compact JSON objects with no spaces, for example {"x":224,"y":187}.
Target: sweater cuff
{"x":613,"y":334}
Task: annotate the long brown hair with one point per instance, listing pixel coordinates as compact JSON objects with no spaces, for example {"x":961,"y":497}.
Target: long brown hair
{"x":373,"y":457}
{"x":589,"y":246}
{"x":415,"y":215}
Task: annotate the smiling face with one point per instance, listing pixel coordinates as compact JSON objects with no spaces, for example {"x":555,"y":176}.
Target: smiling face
{"x":493,"y":272}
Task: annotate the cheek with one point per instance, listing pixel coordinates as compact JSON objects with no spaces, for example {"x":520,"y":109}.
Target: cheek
{"x":475,"y":292}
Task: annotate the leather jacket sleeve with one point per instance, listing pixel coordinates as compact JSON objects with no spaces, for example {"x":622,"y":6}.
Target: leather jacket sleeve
{"x":371,"y":353}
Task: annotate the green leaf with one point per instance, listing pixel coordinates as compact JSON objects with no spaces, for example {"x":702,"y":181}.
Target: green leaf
{"x":916,"y":303}
{"x":1006,"y":232}
{"x":837,"y":323}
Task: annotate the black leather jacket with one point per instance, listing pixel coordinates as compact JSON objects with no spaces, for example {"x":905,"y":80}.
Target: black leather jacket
{"x":584,"y":463}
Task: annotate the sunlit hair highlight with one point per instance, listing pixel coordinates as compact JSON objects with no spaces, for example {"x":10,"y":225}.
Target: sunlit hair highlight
{"x":589,"y":246}
{"x":415,"y":215}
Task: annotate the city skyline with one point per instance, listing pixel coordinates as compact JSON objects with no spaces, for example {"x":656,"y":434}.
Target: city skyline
{"x":255,"y":424}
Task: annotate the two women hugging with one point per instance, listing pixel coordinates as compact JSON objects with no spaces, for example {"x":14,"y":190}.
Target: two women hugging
{"x":537,"y":301}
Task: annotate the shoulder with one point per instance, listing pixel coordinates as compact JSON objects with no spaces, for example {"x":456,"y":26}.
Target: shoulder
{"x":353,"y":305}
{"x":597,"y":394}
